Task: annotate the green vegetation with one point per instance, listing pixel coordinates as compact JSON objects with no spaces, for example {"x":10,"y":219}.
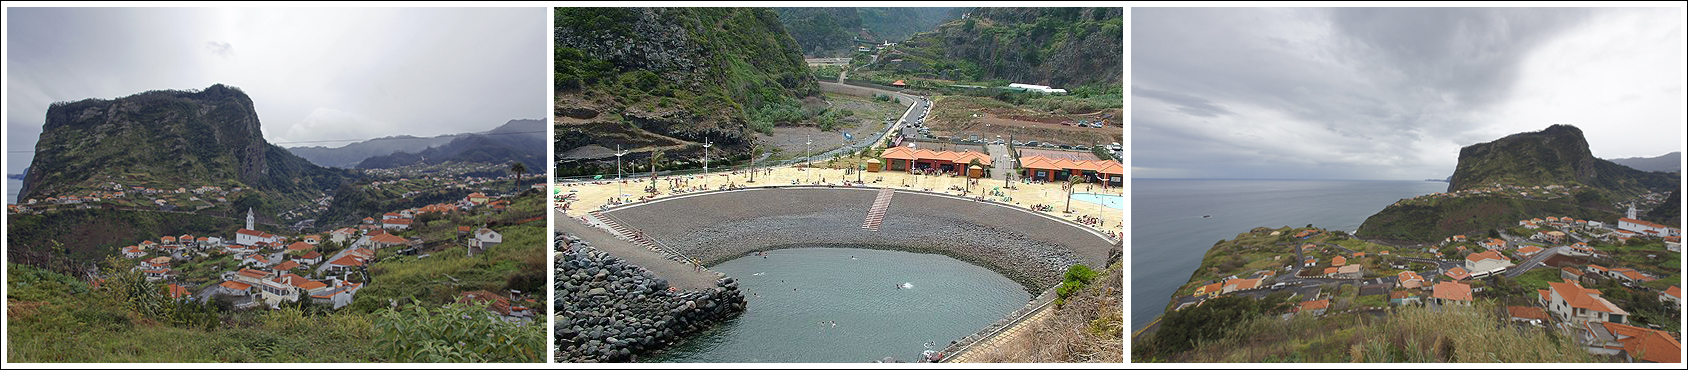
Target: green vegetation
{"x":837,"y":31}
{"x":1065,"y":47}
{"x":722,"y":71}
{"x":1438,"y":218}
{"x":455,"y":333}
{"x":1557,"y":155}
{"x":92,"y":234}
{"x":1073,"y":280}
{"x":1409,"y":334}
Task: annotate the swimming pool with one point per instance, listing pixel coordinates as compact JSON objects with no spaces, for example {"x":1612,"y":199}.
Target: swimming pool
{"x":1108,"y":200}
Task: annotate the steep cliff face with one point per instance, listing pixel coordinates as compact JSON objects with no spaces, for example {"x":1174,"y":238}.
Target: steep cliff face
{"x":656,"y":77}
{"x":1062,"y":47}
{"x":181,"y":138}
{"x":1556,"y":155}
{"x":669,"y":80}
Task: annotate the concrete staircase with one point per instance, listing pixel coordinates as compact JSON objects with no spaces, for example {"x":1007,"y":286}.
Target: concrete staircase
{"x":633,"y":235}
{"x":876,"y":215}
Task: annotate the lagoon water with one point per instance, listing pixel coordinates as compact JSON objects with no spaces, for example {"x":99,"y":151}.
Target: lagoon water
{"x":1169,"y":234}
{"x":885,"y":304}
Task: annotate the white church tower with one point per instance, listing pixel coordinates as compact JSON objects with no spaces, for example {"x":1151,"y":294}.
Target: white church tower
{"x":250,"y":219}
{"x":1631,"y":213}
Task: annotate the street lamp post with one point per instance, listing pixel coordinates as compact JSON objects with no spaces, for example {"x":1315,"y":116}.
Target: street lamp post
{"x":808,"y":165}
{"x":706,"y":162}
{"x":622,"y":189}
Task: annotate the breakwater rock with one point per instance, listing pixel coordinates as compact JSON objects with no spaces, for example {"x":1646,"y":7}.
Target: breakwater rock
{"x":612,"y":311}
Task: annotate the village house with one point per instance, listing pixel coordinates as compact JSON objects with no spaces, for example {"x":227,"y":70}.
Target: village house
{"x":1634,"y":344}
{"x":1629,"y":274}
{"x":342,"y":235}
{"x":396,"y":223}
{"x":1527,"y":251}
{"x":1338,"y":261}
{"x":1672,"y":297}
{"x":339,"y":295}
{"x":477,"y":198}
{"x":1451,"y":293}
{"x":300,"y":247}
{"x":133,"y":251}
{"x":309,"y":258}
{"x":1549,"y":236}
{"x":1457,"y":273}
{"x":1529,"y":314}
{"x":1570,"y":273}
{"x":1485,"y":263}
{"x":485,"y":237}
{"x":1240,"y":284}
{"x":253,"y":237}
{"x":1314,"y":308}
{"x":256,"y":260}
{"x":1572,"y":303}
{"x":1402,"y":297}
{"x":1493,"y":244}
{"x":1646,"y":227}
{"x":1409,"y":280}
{"x":312,"y":239}
{"x":1349,"y":272}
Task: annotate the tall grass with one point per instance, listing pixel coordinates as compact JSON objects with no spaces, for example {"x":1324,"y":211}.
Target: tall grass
{"x":1411,"y":334}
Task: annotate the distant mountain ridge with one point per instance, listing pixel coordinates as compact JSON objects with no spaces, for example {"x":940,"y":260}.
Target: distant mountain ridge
{"x":827,"y":32}
{"x":489,"y":147}
{"x":1669,"y":162}
{"x":167,"y":138}
{"x":351,"y":155}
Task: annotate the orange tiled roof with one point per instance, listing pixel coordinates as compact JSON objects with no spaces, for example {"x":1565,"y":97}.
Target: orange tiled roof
{"x":1577,"y":296}
{"x":299,"y":246}
{"x":1486,"y":255}
{"x":1527,"y":312}
{"x":1451,"y":291}
{"x":1315,"y":305}
{"x":1647,"y":344}
{"x":235,"y":285}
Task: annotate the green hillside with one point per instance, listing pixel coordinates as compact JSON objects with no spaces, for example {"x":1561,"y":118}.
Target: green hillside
{"x":655,"y":77}
{"x":1060,"y":47}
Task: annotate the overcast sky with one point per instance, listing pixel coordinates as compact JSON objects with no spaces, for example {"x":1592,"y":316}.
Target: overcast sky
{"x":313,"y":74}
{"x":1393,"y":94}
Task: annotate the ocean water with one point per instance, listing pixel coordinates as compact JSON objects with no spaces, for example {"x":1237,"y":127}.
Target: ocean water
{"x":884,"y":304}
{"x":12,"y":187}
{"x":1169,"y":234}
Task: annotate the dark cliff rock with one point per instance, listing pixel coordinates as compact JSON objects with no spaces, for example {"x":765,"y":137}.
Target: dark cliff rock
{"x":184,"y":138}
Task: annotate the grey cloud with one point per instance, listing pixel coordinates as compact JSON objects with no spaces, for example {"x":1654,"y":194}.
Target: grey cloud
{"x":222,"y":49}
{"x":1315,"y":93}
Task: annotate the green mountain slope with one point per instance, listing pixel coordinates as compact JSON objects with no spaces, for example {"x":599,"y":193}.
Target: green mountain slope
{"x":173,"y":139}
{"x":667,"y":77}
{"x":1061,"y":47}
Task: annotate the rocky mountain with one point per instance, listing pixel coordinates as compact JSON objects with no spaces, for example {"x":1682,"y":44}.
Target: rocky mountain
{"x":831,"y":32}
{"x":350,"y":155}
{"x":1061,"y":47}
{"x":671,"y":78}
{"x":481,"y":148}
{"x":1669,"y":162}
{"x":1558,"y":155}
{"x":168,"y":138}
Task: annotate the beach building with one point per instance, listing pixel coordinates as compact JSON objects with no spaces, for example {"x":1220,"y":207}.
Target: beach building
{"x":908,"y":159}
{"x":1060,"y":169}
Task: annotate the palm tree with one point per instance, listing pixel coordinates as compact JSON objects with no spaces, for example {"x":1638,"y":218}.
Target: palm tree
{"x":655,"y":157}
{"x":1072,"y":185}
{"x":519,"y":169}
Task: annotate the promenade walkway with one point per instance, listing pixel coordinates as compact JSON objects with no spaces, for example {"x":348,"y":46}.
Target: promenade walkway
{"x":678,"y":274}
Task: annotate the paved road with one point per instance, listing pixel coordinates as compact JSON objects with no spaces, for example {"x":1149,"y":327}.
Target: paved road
{"x":997,"y":151}
{"x":1534,"y":262}
{"x":679,"y":275}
